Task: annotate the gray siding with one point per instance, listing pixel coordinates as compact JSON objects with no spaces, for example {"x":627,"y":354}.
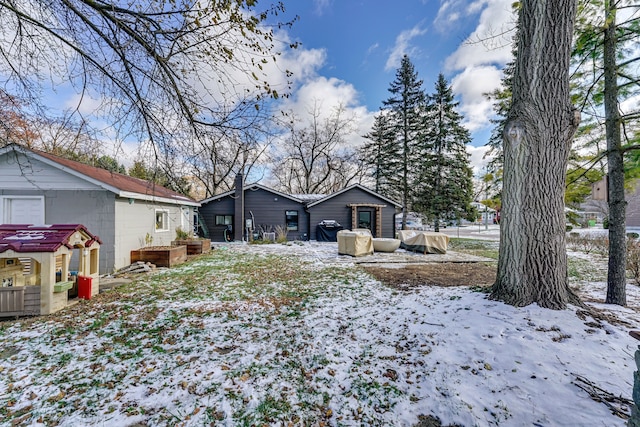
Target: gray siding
{"x":268,"y":210}
{"x":93,"y":209}
{"x":336,"y":209}
{"x":208,"y":212}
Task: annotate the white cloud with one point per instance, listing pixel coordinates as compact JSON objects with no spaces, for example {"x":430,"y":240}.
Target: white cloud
{"x":321,"y":6}
{"x":471,"y":85}
{"x":403,"y":46}
{"x":490,"y":42}
{"x":478,"y":60}
{"x":331,"y":93}
{"x":477,"y":160}
{"x":452,"y":11}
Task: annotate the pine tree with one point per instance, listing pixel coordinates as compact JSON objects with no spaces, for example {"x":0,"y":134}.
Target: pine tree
{"x":377,"y":153}
{"x":406,"y":119}
{"x":446,"y":186}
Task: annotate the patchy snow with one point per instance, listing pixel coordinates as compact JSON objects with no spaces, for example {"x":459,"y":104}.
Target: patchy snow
{"x":296,"y":335}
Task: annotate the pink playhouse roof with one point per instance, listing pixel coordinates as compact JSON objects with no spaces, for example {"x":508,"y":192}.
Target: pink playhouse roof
{"x":46,"y":238}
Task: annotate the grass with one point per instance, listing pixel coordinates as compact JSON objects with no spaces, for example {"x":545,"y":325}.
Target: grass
{"x":482,"y":248}
{"x":231,"y":334}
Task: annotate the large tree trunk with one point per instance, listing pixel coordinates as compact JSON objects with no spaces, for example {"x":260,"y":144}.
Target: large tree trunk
{"x":532,"y":265}
{"x":616,"y":277}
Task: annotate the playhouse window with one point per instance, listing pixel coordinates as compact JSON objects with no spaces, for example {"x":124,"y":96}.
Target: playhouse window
{"x":291,"y":219}
{"x":162,"y":220}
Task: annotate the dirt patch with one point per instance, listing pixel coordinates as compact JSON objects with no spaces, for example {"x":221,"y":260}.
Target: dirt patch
{"x":435,"y":274}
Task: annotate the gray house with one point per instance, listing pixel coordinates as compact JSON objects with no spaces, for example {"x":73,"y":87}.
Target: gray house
{"x":258,"y":207}
{"x":125,"y":212}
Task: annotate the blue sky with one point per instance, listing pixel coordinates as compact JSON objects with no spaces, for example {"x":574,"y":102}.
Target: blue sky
{"x":350,"y":51}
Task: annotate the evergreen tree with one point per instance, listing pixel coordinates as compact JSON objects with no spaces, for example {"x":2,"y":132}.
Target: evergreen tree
{"x":446,"y":186}
{"x":406,"y":107}
{"x":377,"y":154}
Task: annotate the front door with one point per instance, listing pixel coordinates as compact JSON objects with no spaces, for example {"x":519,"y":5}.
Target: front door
{"x":365,"y":220}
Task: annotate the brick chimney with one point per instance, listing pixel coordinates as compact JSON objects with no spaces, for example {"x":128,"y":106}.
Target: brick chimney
{"x":238,"y":223}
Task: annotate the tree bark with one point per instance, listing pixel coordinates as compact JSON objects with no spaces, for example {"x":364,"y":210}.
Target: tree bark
{"x":532,"y":264}
{"x":616,"y":277}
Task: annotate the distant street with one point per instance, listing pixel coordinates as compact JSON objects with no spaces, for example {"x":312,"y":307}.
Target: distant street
{"x":475,"y":231}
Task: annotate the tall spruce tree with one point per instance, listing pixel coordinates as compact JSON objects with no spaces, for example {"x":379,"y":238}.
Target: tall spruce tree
{"x":446,"y":187}
{"x":377,"y":155}
{"x":406,"y":107}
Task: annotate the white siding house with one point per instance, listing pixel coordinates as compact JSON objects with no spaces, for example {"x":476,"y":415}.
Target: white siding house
{"x":125,"y":212}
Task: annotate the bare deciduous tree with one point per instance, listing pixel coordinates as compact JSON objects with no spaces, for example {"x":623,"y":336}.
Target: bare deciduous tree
{"x":154,"y":66}
{"x":315,"y":158}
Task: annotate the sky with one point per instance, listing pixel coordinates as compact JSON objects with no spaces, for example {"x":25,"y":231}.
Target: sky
{"x":351,"y":50}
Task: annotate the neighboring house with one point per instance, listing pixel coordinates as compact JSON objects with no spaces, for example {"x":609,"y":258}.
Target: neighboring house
{"x":125,"y":212}
{"x":258,"y":207}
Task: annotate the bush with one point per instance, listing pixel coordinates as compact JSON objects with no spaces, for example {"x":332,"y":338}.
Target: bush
{"x":633,"y":259}
{"x":588,"y":244}
{"x":182,"y":234}
{"x":281,"y":234}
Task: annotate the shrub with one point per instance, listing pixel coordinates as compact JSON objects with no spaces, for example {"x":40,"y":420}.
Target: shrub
{"x":182,"y":234}
{"x":633,"y":259}
{"x":281,"y":234}
{"x":588,"y":244}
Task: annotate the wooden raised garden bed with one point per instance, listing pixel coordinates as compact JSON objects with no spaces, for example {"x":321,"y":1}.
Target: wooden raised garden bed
{"x":161,"y":256}
{"x":194,"y":246}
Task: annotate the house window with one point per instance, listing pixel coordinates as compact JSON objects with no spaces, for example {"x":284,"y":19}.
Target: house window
{"x":224,"y":219}
{"x":291,"y":219}
{"x":162,"y":220}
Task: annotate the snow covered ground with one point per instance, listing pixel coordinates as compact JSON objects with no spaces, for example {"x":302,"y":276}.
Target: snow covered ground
{"x":296,"y":335}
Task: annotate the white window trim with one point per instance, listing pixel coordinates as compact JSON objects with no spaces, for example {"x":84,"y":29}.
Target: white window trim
{"x":5,"y":211}
{"x":165,"y":213}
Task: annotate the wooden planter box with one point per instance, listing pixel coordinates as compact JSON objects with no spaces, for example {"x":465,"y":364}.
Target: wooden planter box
{"x":161,"y":256}
{"x":194,"y":246}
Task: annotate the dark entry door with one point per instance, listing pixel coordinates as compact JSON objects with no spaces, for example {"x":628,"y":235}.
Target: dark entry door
{"x":366,"y":220}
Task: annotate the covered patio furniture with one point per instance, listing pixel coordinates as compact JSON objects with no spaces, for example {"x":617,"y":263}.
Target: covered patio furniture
{"x":355,"y":243}
{"x":427,"y":242}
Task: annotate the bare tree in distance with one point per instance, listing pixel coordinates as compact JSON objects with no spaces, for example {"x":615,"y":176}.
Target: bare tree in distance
{"x":314,"y":157}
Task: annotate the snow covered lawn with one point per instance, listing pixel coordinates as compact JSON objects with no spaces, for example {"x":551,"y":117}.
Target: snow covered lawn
{"x":295,"y":335}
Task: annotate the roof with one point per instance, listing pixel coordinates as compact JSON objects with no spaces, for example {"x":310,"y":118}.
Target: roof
{"x":123,"y":185}
{"x":48,"y":238}
{"x":253,"y":187}
{"x":351,"y":187}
